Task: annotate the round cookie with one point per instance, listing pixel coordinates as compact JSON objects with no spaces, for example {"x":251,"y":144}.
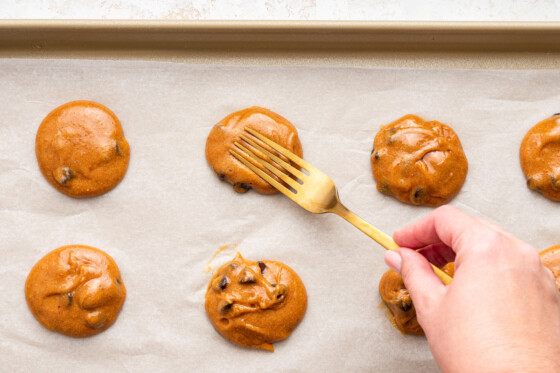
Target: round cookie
{"x":418,"y":162}
{"x":402,"y":313}
{"x":81,"y":149}
{"x":540,"y":157}
{"x":255,"y":304}
{"x":75,"y":290}
{"x":550,"y":258}
{"x":227,"y":131}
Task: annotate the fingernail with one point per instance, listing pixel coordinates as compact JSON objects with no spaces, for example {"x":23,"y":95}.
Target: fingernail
{"x":393,"y":260}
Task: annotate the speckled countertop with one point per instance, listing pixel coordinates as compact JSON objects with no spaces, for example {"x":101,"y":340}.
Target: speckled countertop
{"x":431,"y":10}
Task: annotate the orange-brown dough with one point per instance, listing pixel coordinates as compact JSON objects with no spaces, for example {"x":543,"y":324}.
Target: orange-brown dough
{"x":81,"y":149}
{"x":227,"y":131}
{"x":398,"y":301}
{"x":418,"y":162}
{"x":255,"y":304}
{"x":540,"y":157}
{"x":75,"y":290}
{"x":551,"y":259}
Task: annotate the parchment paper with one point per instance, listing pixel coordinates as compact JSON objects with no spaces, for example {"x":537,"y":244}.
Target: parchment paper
{"x":171,"y":213}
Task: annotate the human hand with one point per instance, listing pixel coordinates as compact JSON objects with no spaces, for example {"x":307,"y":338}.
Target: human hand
{"x":501,"y":313}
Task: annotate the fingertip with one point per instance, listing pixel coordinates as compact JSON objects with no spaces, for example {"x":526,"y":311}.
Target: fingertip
{"x":393,"y":260}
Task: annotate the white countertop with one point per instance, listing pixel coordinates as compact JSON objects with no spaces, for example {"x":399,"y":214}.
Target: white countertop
{"x":431,"y":10}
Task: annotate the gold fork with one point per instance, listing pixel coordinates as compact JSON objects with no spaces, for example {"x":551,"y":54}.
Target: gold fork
{"x":315,"y":192}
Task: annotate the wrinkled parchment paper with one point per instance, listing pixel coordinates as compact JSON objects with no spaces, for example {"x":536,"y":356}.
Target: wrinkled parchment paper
{"x":171,"y":213}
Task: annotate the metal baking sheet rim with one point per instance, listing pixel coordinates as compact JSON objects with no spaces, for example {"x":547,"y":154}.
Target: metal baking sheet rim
{"x":344,"y":35}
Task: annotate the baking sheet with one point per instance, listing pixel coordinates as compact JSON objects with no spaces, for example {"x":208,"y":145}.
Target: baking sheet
{"x":171,"y":213}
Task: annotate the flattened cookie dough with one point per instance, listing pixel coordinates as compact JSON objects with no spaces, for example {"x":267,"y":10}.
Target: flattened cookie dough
{"x":75,"y":290}
{"x":255,"y":304}
{"x":418,"y":162}
{"x":81,"y":149}
{"x":227,"y":131}
{"x":540,"y":157}
{"x":550,"y":258}
{"x":402,"y":313}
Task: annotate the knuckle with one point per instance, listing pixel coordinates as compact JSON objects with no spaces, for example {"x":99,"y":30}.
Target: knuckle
{"x":530,"y":254}
{"x":490,"y":241}
{"x":494,"y":239}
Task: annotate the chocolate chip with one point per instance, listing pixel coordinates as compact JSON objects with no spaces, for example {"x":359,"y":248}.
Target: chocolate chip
{"x":118,"y":281}
{"x":117,"y":148}
{"x":220,"y":283}
{"x":70,"y":297}
{"x":224,"y":306}
{"x":247,"y":278}
{"x":372,"y":150}
{"x":273,"y":285}
{"x":406,"y":305}
{"x":280,"y":291}
{"x":532,"y":184}
{"x":223,"y":283}
{"x":62,"y":175}
{"x":555,"y":114}
{"x":419,"y":196}
{"x":262,"y":266}
{"x":241,"y":187}
{"x":376,"y":156}
{"x":222,"y":176}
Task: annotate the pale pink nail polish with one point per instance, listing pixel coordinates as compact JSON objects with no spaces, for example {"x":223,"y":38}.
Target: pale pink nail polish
{"x":393,"y":260}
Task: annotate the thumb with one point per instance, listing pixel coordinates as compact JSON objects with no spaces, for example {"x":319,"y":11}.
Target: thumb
{"x":425,"y":288}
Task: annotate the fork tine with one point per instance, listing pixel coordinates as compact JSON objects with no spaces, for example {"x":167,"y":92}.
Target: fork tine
{"x":288,"y":167}
{"x":285,"y":152}
{"x":287,"y":192}
{"x":288,"y":180}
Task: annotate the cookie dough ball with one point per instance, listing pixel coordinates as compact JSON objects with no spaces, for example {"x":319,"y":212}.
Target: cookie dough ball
{"x":398,"y":301}
{"x":550,"y":258}
{"x":81,"y":149}
{"x":255,"y":304}
{"x":75,"y":290}
{"x":227,"y":131}
{"x":418,"y":162}
{"x":540,"y":157}
{"x":402,"y":313}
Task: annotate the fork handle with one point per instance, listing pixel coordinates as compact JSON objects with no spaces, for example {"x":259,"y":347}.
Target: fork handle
{"x":380,"y":237}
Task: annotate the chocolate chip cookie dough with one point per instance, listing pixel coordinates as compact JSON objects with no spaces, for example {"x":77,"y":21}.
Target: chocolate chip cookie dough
{"x":75,"y":290}
{"x":418,"y":162}
{"x":227,"y":131}
{"x":255,"y":304}
{"x":540,"y":157}
{"x":402,"y":313}
{"x":81,"y":149}
{"x":551,"y":259}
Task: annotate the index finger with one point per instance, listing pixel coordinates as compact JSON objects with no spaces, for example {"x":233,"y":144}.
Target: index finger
{"x":446,"y":224}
